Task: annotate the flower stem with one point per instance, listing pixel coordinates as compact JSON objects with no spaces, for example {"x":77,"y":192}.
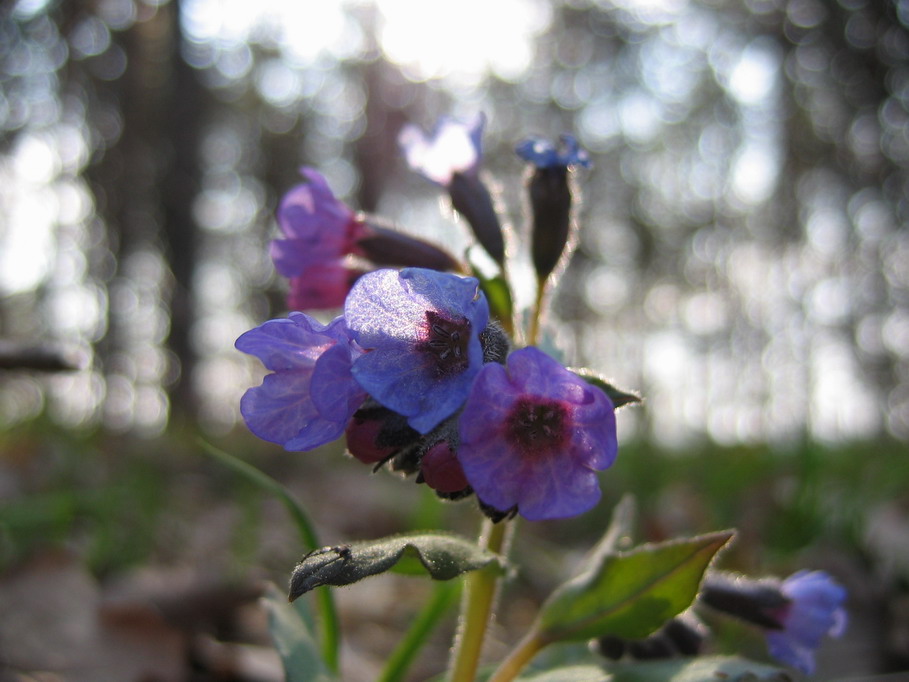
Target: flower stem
{"x":520,"y":656}
{"x":476,"y":608}
{"x":536,"y":314}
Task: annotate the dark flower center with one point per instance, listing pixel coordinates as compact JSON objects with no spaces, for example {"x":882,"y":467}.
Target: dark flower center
{"x":538,"y":426}
{"x":446,"y":340}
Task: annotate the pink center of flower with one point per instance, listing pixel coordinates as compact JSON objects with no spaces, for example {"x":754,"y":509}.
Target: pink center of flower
{"x":538,"y":426}
{"x":446,"y":340}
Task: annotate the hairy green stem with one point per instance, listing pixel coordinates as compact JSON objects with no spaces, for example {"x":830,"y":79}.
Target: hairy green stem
{"x":476,"y":607}
{"x":533,"y":335}
{"x":520,"y":656}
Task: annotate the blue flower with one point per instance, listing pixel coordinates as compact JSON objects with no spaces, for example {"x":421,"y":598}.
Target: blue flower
{"x":815,"y":610}
{"x":533,"y":435}
{"x":421,"y":330}
{"x":311,"y":394}
{"x":544,"y":154}
{"x":454,"y":147}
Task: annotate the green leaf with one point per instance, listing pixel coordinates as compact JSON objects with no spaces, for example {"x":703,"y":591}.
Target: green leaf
{"x":725,"y":668}
{"x":630,"y":595}
{"x":293,"y":637}
{"x":442,"y":556}
{"x":501,"y":306}
{"x":616,"y":395}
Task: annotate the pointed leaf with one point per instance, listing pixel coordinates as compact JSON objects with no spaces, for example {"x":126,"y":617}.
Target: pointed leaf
{"x":294,"y":639}
{"x":616,"y":395}
{"x":728,"y":668}
{"x":442,"y":556}
{"x":630,"y":595}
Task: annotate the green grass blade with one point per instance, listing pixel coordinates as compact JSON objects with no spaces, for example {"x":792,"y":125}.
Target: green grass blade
{"x":330,"y":628}
{"x":443,"y":599}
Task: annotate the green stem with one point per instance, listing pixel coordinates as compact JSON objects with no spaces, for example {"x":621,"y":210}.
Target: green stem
{"x":533,"y":336}
{"x":476,"y":608}
{"x":404,"y":654}
{"x":329,"y":627}
{"x":520,"y":656}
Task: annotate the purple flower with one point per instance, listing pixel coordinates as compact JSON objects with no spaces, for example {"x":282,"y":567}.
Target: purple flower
{"x":324,"y":285}
{"x":815,"y":610}
{"x":454,"y":147}
{"x":533,"y":436}
{"x":544,"y":154}
{"x":320,"y":232}
{"x":421,"y":330}
{"x":311,"y":395}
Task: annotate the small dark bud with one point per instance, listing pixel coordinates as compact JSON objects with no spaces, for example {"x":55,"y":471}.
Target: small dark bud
{"x":386,"y":246}
{"x":759,"y":602}
{"x":375,"y":434}
{"x":686,"y":633}
{"x":610,"y":647}
{"x":550,"y":204}
{"x":441,"y":470}
{"x":471,"y":198}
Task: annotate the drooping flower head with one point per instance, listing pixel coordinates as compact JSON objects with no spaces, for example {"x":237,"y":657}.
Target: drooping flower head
{"x":421,"y":329}
{"x":311,"y":394}
{"x":320,"y":231}
{"x":815,"y":610}
{"x":533,"y":435}
{"x":451,"y":157}
{"x":551,"y":197}
{"x":455,"y":146}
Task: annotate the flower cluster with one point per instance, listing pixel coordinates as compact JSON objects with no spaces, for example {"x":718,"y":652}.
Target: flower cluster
{"x":418,"y":346}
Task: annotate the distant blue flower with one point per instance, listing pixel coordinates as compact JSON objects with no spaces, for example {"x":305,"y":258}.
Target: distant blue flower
{"x":815,"y":610}
{"x":311,"y":395}
{"x":420,"y":329}
{"x":544,"y":154}
{"x":533,"y":435}
{"x":454,"y":147}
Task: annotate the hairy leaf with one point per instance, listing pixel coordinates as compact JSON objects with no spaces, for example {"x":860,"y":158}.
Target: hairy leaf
{"x":442,"y":556}
{"x":631,"y":594}
{"x":616,"y":395}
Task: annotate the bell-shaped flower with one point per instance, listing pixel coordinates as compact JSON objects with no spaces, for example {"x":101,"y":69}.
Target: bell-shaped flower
{"x":533,"y":437}
{"x":550,"y":198}
{"x":815,"y":610}
{"x":310,"y":396}
{"x":454,"y":147}
{"x":421,"y":331}
{"x":319,"y":232}
{"x":451,"y":157}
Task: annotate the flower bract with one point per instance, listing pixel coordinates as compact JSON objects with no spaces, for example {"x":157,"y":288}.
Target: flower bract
{"x":421,"y":330}
{"x":533,"y":435}
{"x":815,"y":610}
{"x":310,"y":395}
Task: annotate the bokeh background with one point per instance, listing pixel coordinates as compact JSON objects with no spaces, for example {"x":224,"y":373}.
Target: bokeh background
{"x":742,"y":262}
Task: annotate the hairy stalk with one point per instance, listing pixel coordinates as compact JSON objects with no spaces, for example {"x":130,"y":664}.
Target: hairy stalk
{"x":533,"y":336}
{"x":476,"y":607}
{"x":520,"y":656}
